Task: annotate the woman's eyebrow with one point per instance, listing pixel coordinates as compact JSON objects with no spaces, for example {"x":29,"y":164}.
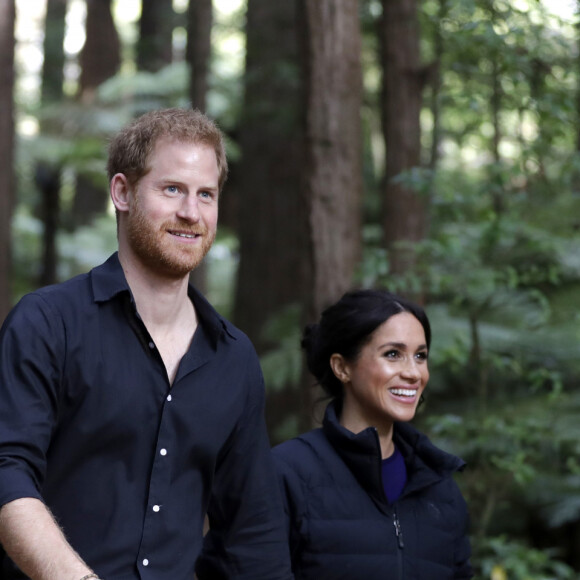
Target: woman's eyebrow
{"x":401,"y":345}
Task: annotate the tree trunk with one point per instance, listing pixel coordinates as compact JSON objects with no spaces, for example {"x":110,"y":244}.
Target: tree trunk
{"x":333,"y":185}
{"x":436,"y":85}
{"x":100,"y":60}
{"x":7,"y":179}
{"x":101,"y":55}
{"x":272,"y":227}
{"x":154,"y":47}
{"x":53,"y":50}
{"x":496,"y":181}
{"x":404,"y":210}
{"x":48,"y":176}
{"x":272,"y":219}
{"x":333,"y":175}
{"x":197,"y":54}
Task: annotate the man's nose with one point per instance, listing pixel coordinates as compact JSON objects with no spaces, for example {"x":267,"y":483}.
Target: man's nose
{"x":189,"y":208}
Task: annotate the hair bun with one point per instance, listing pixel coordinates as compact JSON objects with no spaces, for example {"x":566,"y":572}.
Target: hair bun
{"x":309,"y":337}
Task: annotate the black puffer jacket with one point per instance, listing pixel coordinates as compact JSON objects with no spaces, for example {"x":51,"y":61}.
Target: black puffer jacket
{"x":341,"y":526}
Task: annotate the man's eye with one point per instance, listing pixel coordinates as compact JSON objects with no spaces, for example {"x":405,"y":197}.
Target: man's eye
{"x":172,"y":189}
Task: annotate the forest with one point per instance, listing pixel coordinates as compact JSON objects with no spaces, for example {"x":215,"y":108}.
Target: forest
{"x":431,"y":147}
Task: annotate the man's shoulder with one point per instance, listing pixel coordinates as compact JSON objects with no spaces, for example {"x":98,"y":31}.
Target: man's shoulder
{"x":70,"y":298}
{"x":63,"y":295}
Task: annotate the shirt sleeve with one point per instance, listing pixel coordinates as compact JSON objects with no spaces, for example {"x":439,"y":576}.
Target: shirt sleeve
{"x":30,"y":360}
{"x":246,"y":540}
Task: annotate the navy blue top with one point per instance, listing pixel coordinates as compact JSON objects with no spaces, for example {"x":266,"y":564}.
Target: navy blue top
{"x":339,"y":523}
{"x":394,"y":474}
{"x":129,"y":464}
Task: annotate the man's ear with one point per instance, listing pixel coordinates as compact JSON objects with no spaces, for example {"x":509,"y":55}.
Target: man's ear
{"x":339,"y":367}
{"x":120,"y":192}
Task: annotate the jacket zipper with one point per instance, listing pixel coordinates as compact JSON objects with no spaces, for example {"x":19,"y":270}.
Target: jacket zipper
{"x":396,"y":522}
{"x":400,"y":543}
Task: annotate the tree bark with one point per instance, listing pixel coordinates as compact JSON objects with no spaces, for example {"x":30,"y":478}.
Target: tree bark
{"x":436,"y":85}
{"x":100,"y":57}
{"x":100,"y":60}
{"x":333,"y":175}
{"x":48,"y":176}
{"x":272,"y":220}
{"x":53,"y":50}
{"x":272,"y":225}
{"x":198,"y":51}
{"x":333,"y":185}
{"x":154,"y":47}
{"x":404,"y":210}
{"x":197,"y":54}
{"x":7,"y":179}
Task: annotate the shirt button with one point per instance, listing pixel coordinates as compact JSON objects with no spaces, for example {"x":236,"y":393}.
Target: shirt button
{"x":145,"y":562}
{"x":163,"y":451}
{"x":156,"y":508}
{"x":152,"y":345}
{"x":169,"y":397}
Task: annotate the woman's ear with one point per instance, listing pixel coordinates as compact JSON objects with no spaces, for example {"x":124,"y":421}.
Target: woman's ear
{"x":120,"y":192}
{"x":339,"y":367}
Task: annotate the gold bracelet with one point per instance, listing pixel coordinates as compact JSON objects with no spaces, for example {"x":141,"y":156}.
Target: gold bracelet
{"x":91,"y":575}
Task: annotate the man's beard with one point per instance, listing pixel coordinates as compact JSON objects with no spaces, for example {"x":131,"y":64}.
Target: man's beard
{"x":163,"y":256}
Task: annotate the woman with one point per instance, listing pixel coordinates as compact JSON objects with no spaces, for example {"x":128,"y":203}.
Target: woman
{"x":367,"y":496}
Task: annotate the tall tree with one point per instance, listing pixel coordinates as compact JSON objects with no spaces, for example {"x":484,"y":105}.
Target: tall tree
{"x":271,"y":219}
{"x":333,"y":184}
{"x":197,"y":54}
{"x":100,"y":59}
{"x":272,"y":224}
{"x":436,"y":85}
{"x":48,"y":176}
{"x":333,"y":172}
{"x":154,"y":47}
{"x":198,"y":51}
{"x":404,"y":210}
{"x":7,"y":179}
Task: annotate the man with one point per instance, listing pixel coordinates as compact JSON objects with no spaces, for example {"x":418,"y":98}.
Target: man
{"x":128,"y":407}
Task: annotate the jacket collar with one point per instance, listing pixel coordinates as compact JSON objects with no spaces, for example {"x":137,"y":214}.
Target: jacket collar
{"x":426,"y":463}
{"x":108,"y":281}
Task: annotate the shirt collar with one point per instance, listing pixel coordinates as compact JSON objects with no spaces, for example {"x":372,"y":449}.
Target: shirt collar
{"x":108,"y":280}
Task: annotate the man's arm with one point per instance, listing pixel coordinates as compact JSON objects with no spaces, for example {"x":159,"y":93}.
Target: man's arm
{"x":33,"y":540}
{"x":31,"y":359}
{"x":247,"y":538}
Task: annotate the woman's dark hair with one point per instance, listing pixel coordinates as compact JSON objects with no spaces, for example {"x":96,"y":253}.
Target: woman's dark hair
{"x":345,"y":328}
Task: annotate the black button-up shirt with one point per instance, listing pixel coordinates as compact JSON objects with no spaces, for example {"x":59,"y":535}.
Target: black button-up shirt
{"x":129,"y":464}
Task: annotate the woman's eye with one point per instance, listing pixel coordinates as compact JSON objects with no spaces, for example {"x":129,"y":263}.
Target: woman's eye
{"x":392,"y":353}
{"x":422,"y":355}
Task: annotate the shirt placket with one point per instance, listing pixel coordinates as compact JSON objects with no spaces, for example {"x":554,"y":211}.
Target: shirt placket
{"x":153,"y":524}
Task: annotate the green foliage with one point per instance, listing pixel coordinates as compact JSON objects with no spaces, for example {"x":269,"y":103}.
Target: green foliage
{"x":222,"y":263}
{"x":499,"y":270}
{"x":503,"y":559}
{"x":282,"y":364}
{"x":500,"y":273}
